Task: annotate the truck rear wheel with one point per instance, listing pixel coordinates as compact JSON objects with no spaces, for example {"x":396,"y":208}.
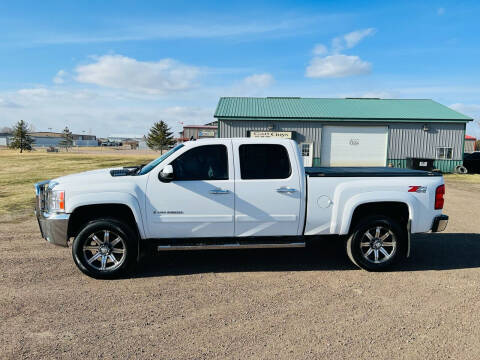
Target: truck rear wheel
{"x":376,"y":243}
{"x":105,"y":248}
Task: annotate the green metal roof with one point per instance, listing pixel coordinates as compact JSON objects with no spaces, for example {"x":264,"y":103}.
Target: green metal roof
{"x":349,"y":108}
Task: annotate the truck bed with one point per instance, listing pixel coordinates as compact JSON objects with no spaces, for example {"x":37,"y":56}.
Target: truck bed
{"x":366,"y":172}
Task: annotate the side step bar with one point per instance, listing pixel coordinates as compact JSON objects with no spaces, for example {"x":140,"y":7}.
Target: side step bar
{"x":230,"y":246}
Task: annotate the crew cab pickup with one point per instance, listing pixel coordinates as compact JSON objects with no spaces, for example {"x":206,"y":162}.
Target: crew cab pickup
{"x":233,"y":194}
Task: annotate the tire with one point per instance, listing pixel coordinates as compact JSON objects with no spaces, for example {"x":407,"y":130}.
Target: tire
{"x":105,"y":249}
{"x":369,"y":252}
{"x":460,"y":169}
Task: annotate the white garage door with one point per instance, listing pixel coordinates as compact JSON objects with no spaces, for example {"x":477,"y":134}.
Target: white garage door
{"x":354,"y":146}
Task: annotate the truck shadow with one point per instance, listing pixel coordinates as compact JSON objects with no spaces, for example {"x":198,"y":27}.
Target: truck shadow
{"x":445,"y":251}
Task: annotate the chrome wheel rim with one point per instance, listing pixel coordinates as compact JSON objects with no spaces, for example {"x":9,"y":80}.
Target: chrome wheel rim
{"x":378,"y":245}
{"x":105,"y":250}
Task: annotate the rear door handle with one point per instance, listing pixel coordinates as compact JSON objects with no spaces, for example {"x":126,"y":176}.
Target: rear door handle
{"x":284,"y":189}
{"x":219,"y":191}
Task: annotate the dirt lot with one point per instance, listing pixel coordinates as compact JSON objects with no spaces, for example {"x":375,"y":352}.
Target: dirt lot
{"x":301,"y":303}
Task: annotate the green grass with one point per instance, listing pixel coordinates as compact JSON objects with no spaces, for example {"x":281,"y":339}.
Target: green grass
{"x":18,"y":172}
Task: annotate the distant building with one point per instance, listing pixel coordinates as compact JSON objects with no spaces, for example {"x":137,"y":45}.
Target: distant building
{"x":49,"y":138}
{"x":134,"y":140}
{"x":194,"y":132}
{"x":5,"y":139}
{"x":469,"y":146}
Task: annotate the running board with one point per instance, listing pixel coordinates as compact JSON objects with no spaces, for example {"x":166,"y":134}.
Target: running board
{"x":230,"y":246}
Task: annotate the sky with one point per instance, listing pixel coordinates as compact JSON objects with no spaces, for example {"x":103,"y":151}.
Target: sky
{"x":116,"y":67}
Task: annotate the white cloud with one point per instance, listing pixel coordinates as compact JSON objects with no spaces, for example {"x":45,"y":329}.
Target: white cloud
{"x":472,"y":110}
{"x":192,"y":28}
{"x":339,"y":65}
{"x":351,"y":39}
{"x":59,"y":78}
{"x":8,"y":104}
{"x":320,"y":49}
{"x":335,"y":66}
{"x":34,"y":92}
{"x":440,"y":11}
{"x":100,"y":110}
{"x":121,"y":72}
{"x":260,"y":80}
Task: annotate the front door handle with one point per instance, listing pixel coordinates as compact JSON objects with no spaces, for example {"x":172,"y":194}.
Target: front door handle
{"x":219,"y":191}
{"x":284,"y":189}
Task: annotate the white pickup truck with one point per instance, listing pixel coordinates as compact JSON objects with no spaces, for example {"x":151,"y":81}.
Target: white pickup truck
{"x":233,"y":194}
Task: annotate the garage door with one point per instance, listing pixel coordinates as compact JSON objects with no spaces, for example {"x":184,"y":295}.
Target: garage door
{"x":354,"y":146}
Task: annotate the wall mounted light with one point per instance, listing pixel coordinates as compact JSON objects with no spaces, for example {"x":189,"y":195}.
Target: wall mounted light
{"x":425,"y":127}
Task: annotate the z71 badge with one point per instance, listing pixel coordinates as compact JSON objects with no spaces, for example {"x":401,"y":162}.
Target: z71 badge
{"x":417,"y":189}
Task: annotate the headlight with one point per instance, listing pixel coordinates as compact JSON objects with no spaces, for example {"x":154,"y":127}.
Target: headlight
{"x":55,"y":201}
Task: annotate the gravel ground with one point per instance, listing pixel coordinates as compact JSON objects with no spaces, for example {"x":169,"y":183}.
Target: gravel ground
{"x":287,"y":303}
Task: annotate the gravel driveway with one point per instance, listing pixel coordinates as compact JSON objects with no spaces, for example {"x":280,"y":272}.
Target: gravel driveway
{"x":287,"y":303}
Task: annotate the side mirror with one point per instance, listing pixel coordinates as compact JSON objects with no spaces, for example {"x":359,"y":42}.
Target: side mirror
{"x":166,"y":175}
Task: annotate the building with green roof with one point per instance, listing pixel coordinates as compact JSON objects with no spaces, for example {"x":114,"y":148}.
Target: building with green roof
{"x":351,"y":131}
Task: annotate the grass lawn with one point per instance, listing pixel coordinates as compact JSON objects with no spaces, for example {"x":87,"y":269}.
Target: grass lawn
{"x":19,"y":172}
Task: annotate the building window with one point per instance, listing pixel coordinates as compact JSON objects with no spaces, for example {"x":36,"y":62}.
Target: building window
{"x":305,"y":149}
{"x":264,"y":161}
{"x":444,"y":153}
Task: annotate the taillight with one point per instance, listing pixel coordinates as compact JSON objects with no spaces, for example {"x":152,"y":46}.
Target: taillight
{"x":439,"y":200}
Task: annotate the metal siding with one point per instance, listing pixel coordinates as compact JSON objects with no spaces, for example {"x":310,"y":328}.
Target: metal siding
{"x":469,"y":145}
{"x":410,"y":140}
{"x":305,"y":131}
{"x":189,"y":132}
{"x":404,"y":139}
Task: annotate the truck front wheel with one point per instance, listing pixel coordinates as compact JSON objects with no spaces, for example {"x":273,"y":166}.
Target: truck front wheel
{"x":105,"y":248}
{"x":376,"y":243}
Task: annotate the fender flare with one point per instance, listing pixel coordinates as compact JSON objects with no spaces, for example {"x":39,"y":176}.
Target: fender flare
{"x":102,"y":198}
{"x":342,"y":221}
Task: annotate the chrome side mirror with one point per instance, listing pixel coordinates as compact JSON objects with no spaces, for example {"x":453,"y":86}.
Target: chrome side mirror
{"x":166,"y":175}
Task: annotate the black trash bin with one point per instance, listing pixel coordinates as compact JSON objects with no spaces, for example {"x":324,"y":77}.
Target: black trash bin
{"x":420,"y":164}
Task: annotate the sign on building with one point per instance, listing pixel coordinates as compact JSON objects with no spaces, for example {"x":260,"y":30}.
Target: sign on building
{"x":270,"y":134}
{"x":206,"y":133}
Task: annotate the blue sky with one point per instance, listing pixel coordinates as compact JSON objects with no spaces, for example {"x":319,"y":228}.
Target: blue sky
{"x":115,"y":67}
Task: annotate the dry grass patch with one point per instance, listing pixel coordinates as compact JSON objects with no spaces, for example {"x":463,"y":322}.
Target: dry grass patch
{"x":467,"y":178}
{"x":19,"y":172}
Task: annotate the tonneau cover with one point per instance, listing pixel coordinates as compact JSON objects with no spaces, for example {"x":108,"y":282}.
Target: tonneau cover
{"x":366,"y":172}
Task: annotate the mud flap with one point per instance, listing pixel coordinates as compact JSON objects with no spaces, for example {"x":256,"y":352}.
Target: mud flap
{"x":409,"y":236}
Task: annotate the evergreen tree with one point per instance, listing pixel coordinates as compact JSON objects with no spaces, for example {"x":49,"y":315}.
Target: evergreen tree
{"x":67,"y":139}
{"x":160,"y":136}
{"x":21,"y":139}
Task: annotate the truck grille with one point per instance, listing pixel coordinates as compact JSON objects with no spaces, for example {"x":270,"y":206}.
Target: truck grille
{"x":40,"y":195}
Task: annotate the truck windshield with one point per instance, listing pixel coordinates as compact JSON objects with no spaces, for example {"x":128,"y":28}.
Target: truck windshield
{"x":147,"y":168}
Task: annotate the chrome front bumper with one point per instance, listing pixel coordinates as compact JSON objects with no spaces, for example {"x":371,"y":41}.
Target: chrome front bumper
{"x":53,"y":226}
{"x":440,"y":223}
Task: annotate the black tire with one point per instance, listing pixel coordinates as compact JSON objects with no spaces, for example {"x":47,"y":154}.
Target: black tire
{"x":372,"y":257}
{"x":460,"y":169}
{"x":124,"y":251}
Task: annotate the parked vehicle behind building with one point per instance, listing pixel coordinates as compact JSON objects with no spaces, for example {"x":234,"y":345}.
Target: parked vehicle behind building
{"x":472,"y":162}
{"x":233,"y":194}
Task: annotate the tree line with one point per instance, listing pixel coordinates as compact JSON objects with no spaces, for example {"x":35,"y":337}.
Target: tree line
{"x":159,"y":138}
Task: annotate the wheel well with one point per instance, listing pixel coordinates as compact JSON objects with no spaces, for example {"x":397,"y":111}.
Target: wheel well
{"x":394,"y":210}
{"x":87,"y":213}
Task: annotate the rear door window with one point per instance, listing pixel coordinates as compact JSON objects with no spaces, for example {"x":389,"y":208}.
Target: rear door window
{"x":264,"y":161}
